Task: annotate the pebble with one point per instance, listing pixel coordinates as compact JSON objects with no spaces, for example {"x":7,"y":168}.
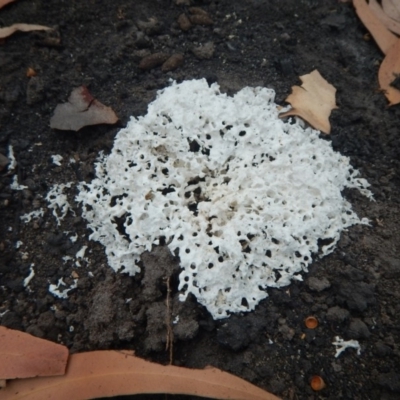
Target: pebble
{"x":3,"y":162}
{"x":337,"y":314}
{"x":184,"y":22}
{"x":358,"y":329}
{"x":153,"y":60}
{"x":318,"y":285}
{"x":198,"y":19}
{"x":174,"y":62}
{"x":152,"y":27}
{"x":34,"y":90}
{"x":204,"y":52}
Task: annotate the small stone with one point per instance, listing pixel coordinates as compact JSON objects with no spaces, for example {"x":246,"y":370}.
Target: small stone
{"x":174,"y":62}
{"x":183,"y":2}
{"x":3,"y":162}
{"x":358,"y":330}
{"x":152,"y":61}
{"x":151,"y":27}
{"x":318,"y":285}
{"x":184,"y":22}
{"x":204,"y":52}
{"x":337,"y":314}
{"x":390,"y":381}
{"x":198,"y":16}
{"x":382,"y":350}
{"x":34,"y":90}
{"x":198,"y":11}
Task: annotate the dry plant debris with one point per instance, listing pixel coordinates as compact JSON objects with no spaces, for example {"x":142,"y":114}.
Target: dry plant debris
{"x":371,"y":14}
{"x":10,"y":30}
{"x":114,"y":373}
{"x":25,"y":356}
{"x":313,"y":101}
{"x":387,"y":15}
{"x":81,"y":110}
{"x":5,"y":2}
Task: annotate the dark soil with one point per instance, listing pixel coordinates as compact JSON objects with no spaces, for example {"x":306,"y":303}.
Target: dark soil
{"x":354,"y":292}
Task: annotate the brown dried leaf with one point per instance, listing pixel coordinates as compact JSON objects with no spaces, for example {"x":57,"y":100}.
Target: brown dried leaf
{"x":313,"y":101}
{"x":112,"y":373}
{"x":25,"y":356}
{"x":388,"y":72}
{"x":81,"y":110}
{"x":9,"y":30}
{"x":384,"y":39}
{"x":391,"y":8}
{"x":386,"y":20}
{"x":5,"y":2}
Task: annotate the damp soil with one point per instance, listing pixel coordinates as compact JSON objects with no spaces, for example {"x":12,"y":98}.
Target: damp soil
{"x":354,"y":292}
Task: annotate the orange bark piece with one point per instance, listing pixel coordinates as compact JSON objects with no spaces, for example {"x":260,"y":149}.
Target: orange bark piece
{"x":313,"y":101}
{"x":386,"y":20}
{"x":383,"y":38}
{"x":114,"y":373}
{"x":5,"y":2}
{"x":9,"y":30}
{"x":388,"y":71}
{"x":25,"y":356}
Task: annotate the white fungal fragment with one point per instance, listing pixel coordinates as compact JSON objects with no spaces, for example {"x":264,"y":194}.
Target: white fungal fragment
{"x":244,"y":198}
{"x":56,"y":158}
{"x":15,"y":185}
{"x":30,"y":276}
{"x":58,"y":201}
{"x":13,"y":162}
{"x":341,"y":345}
{"x":32,"y":215}
{"x":61,"y":289}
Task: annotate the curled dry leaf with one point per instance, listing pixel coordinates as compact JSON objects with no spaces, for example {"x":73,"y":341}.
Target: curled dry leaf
{"x":383,"y":38}
{"x":392,"y":8}
{"x":5,"y":2}
{"x":9,"y":30}
{"x":389,"y":44}
{"x":388,"y":72}
{"x":386,"y":20}
{"x":114,"y":373}
{"x":81,"y":110}
{"x":25,"y":356}
{"x":313,"y":101}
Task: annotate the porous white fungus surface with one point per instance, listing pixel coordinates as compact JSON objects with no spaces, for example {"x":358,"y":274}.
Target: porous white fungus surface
{"x":242,"y":196}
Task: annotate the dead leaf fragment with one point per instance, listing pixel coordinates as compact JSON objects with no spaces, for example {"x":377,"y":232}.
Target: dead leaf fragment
{"x":114,"y":373}
{"x":386,"y":20}
{"x":383,"y":38}
{"x":388,"y":72}
{"x":25,"y":356}
{"x":387,"y":42}
{"x":81,"y":110}
{"x":313,"y":101}
{"x":9,"y":30}
{"x":5,"y":2}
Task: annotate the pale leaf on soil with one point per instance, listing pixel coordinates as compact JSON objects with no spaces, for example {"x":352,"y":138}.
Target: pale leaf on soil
{"x":388,"y":71}
{"x":388,"y":43}
{"x":114,"y":373}
{"x":9,"y":30}
{"x":25,"y":356}
{"x":81,"y":110}
{"x":384,"y":39}
{"x":392,"y":8}
{"x":5,"y":2}
{"x":386,"y":20}
{"x":313,"y":101}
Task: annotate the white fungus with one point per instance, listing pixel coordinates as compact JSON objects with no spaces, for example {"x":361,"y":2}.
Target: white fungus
{"x":243,"y":197}
{"x":341,"y":345}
